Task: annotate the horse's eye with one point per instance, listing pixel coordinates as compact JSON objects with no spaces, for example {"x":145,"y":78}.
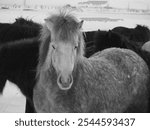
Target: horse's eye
{"x":53,"y":47}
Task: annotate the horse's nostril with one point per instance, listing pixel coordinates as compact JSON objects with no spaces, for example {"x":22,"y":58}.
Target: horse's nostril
{"x":65,"y":83}
{"x":62,"y":80}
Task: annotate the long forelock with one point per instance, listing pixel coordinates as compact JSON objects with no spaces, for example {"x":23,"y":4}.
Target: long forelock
{"x":66,"y":28}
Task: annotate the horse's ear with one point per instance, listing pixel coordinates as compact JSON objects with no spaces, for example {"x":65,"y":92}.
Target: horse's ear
{"x":48,"y":23}
{"x":110,"y":31}
{"x":80,"y":24}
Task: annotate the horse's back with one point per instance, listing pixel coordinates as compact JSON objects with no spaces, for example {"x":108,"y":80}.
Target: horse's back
{"x":12,"y":32}
{"x":138,"y":34}
{"x":122,"y":30}
{"x":127,"y":75}
{"x":118,"y":55}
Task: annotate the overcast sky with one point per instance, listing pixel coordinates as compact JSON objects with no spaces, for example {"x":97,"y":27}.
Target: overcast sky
{"x":115,"y":3}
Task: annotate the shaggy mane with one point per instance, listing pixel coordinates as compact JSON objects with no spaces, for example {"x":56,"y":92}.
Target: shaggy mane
{"x":140,"y":27}
{"x":65,"y":26}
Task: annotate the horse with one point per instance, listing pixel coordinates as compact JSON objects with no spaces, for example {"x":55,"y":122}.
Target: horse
{"x":146,"y":46}
{"x":112,"y":80}
{"x":11,"y":32}
{"x":18,"y":65}
{"x":138,"y":34}
{"x":19,"y":68}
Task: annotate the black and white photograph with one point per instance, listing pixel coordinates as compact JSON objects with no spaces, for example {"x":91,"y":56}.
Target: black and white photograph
{"x":74,"y":56}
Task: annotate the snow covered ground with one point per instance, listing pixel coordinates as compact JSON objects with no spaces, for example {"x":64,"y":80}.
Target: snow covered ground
{"x":12,"y":100}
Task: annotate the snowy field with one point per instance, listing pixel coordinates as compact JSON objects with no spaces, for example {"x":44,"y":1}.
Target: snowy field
{"x":12,"y":100}
{"x":127,"y":20}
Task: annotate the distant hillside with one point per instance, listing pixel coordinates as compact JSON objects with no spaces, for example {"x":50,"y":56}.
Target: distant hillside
{"x":102,"y":2}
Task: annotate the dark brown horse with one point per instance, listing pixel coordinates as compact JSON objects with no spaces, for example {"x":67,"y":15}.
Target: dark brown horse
{"x":18,"y":65}
{"x":9,"y":34}
{"x":114,"y":80}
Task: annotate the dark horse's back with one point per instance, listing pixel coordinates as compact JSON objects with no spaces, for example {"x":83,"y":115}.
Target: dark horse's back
{"x":11,"y":32}
{"x":26,"y":22}
{"x":138,"y":34}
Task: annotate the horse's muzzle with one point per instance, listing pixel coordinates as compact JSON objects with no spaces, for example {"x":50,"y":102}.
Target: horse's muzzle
{"x":65,"y":84}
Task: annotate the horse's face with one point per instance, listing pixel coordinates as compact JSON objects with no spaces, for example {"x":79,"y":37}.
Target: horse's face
{"x":64,"y":49}
{"x":63,"y":60}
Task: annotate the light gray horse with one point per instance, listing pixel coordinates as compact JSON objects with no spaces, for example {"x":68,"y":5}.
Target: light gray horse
{"x":114,"y":80}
